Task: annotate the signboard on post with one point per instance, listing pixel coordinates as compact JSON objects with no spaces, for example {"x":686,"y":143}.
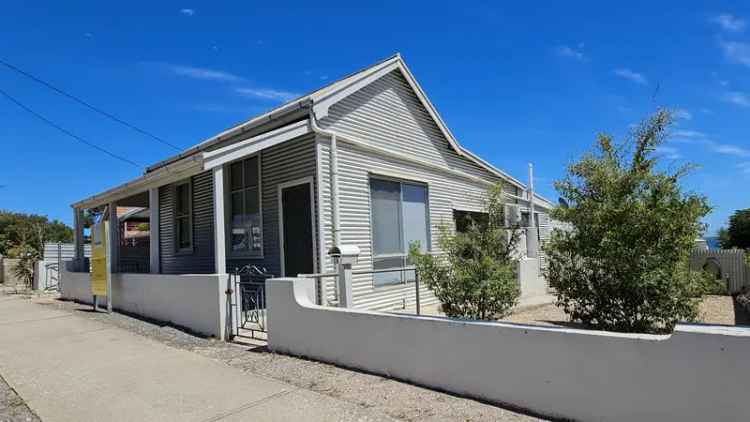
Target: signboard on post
{"x":99,"y":271}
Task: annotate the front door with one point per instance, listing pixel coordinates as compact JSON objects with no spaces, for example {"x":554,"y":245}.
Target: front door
{"x":297,"y":230}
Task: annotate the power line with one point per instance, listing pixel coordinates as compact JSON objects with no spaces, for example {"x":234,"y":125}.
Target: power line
{"x":65,"y":131}
{"x":85,"y":104}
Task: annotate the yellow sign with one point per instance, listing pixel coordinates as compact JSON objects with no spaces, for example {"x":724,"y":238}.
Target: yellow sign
{"x":99,"y":259}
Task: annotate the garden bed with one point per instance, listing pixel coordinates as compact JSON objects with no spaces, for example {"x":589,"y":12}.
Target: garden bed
{"x":714,"y":310}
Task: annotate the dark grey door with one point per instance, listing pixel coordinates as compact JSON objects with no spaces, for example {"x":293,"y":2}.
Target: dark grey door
{"x":298,"y":230}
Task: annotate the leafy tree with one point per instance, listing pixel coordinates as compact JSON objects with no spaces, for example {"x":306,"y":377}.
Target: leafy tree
{"x":30,"y":229}
{"x":738,"y":234}
{"x":475,"y":277}
{"x":724,"y":241}
{"x":623,"y":266}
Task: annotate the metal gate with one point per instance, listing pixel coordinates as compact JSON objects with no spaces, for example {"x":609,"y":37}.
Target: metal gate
{"x":249,"y":284}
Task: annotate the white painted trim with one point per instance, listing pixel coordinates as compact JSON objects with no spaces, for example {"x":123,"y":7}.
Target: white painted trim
{"x":279,"y":189}
{"x":220,"y":253}
{"x":323,"y":103}
{"x":251,"y":146}
{"x":153,"y":231}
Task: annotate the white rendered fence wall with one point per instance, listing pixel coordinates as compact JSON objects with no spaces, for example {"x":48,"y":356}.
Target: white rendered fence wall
{"x":193,"y":301}
{"x":698,"y":373}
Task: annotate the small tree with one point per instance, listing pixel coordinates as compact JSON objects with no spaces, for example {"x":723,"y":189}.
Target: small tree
{"x":623,"y":267}
{"x":475,"y":277}
{"x":24,"y":268}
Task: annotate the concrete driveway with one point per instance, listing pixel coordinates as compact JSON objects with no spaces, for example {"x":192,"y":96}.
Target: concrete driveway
{"x":69,"y":368}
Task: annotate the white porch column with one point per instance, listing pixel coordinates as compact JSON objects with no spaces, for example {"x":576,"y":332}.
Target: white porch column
{"x":153,"y":230}
{"x":113,"y":251}
{"x":78,"y":239}
{"x":220,"y":253}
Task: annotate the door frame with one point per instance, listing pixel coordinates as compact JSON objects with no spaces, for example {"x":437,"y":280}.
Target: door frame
{"x":279,"y":191}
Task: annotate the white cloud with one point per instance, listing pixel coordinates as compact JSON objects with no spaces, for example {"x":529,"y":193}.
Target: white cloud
{"x":187,"y":12}
{"x":727,"y":149}
{"x":571,"y":52}
{"x":682,"y":114}
{"x":692,"y":137}
{"x":688,"y":134}
{"x":735,"y":51}
{"x":738,"y":98}
{"x":729,"y":22}
{"x":205,"y":74}
{"x":670,"y":152}
{"x":632,"y":76}
{"x":267,"y":94}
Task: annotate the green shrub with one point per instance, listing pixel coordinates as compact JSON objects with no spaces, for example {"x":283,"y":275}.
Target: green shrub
{"x":475,"y":276}
{"x":24,"y":268}
{"x":623,"y":266}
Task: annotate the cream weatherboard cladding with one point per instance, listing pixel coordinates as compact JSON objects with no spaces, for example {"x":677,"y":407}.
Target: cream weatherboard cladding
{"x":388,"y":115}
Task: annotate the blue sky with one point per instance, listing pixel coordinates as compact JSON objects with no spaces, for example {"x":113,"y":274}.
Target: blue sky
{"x":514,"y":83}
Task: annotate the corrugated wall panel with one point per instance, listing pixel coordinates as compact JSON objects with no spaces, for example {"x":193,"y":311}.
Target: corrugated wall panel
{"x":388,"y":114}
{"x":201,"y":259}
{"x":282,"y":163}
{"x":355,"y":168}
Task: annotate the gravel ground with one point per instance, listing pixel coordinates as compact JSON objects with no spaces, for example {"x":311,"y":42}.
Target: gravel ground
{"x":397,"y":399}
{"x":12,"y":406}
{"x":713,"y":309}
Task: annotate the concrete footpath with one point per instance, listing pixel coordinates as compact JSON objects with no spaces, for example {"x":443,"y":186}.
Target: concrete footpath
{"x":69,"y":368}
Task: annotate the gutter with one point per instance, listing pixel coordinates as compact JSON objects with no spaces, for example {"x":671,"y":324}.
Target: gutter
{"x":334,"y":158}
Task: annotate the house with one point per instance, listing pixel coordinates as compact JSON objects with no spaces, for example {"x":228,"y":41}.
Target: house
{"x":364,"y":161}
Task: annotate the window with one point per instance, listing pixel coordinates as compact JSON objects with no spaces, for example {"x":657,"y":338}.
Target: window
{"x":400,"y":217}
{"x":182,"y":217}
{"x":246,"y":233}
{"x":465,"y":219}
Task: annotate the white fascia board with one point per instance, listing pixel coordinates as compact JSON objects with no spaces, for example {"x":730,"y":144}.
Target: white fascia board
{"x":326,"y":100}
{"x":168,"y":174}
{"x":235,"y":151}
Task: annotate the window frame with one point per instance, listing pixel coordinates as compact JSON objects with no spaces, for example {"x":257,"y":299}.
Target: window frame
{"x":188,"y":216}
{"x":228,"y":207}
{"x":404,"y":255}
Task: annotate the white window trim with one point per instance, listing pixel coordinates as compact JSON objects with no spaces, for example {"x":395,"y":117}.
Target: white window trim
{"x":279,"y":190}
{"x":400,"y":179}
{"x":228,"y":210}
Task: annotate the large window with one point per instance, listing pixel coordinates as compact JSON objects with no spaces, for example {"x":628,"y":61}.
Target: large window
{"x":183,"y":218}
{"x":400,"y":217}
{"x":246,"y":233}
{"x":465,"y":219}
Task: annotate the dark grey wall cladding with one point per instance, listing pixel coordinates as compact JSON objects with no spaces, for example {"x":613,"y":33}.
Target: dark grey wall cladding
{"x":201,"y":259}
{"x":286,"y":162}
